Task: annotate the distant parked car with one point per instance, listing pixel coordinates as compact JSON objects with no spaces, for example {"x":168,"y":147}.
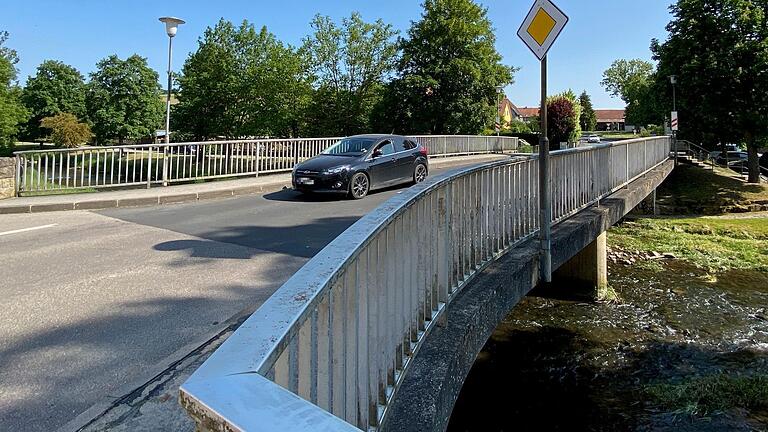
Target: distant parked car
{"x":733,"y":156}
{"x":764,"y":160}
{"x":358,"y":164}
{"x":729,"y":147}
{"x":593,"y":139}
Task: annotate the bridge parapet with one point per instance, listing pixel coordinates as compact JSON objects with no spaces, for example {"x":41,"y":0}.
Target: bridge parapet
{"x":330,"y":348}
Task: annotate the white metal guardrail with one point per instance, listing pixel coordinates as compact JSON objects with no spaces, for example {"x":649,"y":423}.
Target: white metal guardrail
{"x":329,"y":349}
{"x":60,"y":170}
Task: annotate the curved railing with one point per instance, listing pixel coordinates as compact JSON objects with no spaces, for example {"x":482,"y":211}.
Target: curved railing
{"x":330,"y":348}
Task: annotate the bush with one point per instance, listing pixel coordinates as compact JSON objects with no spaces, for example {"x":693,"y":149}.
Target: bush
{"x":66,"y":131}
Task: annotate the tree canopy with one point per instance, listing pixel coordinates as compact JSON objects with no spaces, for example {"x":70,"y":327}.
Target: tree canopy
{"x":448,"y":73}
{"x":55,"y":88}
{"x":633,"y":81}
{"x":588,"y":119}
{"x":563,"y":114}
{"x":241,"y":83}
{"x":12,"y":112}
{"x":718,"y":49}
{"x":350,"y":63}
{"x":123,"y":99}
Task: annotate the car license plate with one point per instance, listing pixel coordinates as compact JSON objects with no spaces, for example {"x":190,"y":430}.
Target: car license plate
{"x":306,"y":181}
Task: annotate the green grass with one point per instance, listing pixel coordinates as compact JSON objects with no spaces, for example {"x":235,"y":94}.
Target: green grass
{"x":720,"y":244}
{"x":704,"y":395}
{"x":701,"y":187}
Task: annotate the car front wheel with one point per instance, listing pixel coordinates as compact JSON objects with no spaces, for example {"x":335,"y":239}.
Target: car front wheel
{"x":359,"y":186}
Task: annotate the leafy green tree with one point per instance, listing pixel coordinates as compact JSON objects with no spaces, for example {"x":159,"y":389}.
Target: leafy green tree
{"x":241,"y":83}
{"x":718,"y":49}
{"x":563,"y":114}
{"x":588,"y":120}
{"x":633,"y":82}
{"x":448,"y":72}
{"x":55,"y":88}
{"x":350,"y":63}
{"x":123,"y":99}
{"x":12,"y":112}
{"x":66,"y":130}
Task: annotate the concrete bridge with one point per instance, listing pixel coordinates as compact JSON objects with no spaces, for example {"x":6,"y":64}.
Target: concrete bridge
{"x":379,"y":329}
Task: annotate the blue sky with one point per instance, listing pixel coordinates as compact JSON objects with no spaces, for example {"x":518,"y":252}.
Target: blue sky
{"x":82,"y":32}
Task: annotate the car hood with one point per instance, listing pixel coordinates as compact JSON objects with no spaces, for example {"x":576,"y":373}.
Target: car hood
{"x":323,"y":162}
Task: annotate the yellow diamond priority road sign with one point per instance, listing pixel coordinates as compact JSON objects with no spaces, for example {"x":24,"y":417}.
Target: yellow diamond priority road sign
{"x":542,"y":26}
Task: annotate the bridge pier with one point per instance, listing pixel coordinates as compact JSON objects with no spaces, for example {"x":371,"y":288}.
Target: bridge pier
{"x":586,"y":274}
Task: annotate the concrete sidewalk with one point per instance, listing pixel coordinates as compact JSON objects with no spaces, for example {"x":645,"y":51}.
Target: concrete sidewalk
{"x":177,"y":193}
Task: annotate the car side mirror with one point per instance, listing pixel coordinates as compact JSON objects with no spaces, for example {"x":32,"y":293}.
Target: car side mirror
{"x":377,"y":153}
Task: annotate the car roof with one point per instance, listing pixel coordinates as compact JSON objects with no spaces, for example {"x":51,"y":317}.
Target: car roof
{"x":376,"y":136}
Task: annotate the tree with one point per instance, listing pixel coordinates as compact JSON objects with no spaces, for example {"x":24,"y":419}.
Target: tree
{"x":350,"y":63}
{"x":588,"y":119}
{"x":633,"y":82}
{"x":448,"y":72}
{"x":562,"y":119}
{"x":12,"y":112}
{"x":55,"y":88}
{"x":123,"y":99}
{"x":66,"y":130}
{"x":718,"y":49}
{"x":242,"y":83}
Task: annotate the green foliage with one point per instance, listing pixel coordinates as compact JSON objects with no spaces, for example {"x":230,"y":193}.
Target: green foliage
{"x":66,"y":130}
{"x":634,"y":82}
{"x":448,"y":72}
{"x":719,"y":51}
{"x":123,"y":99}
{"x":563,"y":114}
{"x":588,"y":119}
{"x":241,"y":83}
{"x":55,"y":88}
{"x":12,"y":112}
{"x":350,"y":63}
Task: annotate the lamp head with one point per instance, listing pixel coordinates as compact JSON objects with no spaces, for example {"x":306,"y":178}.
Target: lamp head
{"x":171,"y":25}
{"x":673,"y":79}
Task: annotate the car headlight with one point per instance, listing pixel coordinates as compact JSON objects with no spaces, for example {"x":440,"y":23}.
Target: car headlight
{"x":337,"y":170}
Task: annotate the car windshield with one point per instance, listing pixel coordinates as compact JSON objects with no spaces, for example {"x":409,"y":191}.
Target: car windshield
{"x":350,"y":147}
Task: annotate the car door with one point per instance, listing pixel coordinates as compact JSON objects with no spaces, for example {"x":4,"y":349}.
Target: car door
{"x":382,"y":167}
{"x":406,"y":158}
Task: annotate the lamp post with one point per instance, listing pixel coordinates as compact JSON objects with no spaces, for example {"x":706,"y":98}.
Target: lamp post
{"x":499,"y":91}
{"x":171,"y":26}
{"x":673,"y":80}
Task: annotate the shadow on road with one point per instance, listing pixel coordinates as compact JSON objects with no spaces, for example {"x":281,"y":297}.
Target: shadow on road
{"x":299,"y":241}
{"x":290,"y":195}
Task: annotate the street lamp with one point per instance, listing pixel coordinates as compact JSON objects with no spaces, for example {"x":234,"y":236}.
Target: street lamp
{"x":673,"y":80}
{"x":171,"y":26}
{"x":499,"y":92}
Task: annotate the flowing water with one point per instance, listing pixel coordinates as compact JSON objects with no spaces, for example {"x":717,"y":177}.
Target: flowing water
{"x":559,"y":365}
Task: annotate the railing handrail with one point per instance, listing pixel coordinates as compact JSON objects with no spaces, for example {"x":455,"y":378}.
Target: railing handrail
{"x":266,"y":335}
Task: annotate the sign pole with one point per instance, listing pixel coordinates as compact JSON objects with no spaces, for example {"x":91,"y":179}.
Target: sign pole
{"x":545,"y":201}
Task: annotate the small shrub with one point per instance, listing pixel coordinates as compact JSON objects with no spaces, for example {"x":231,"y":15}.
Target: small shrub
{"x":66,"y":130}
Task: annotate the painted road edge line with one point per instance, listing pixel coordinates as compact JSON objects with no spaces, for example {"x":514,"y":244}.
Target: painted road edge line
{"x":28,"y":229}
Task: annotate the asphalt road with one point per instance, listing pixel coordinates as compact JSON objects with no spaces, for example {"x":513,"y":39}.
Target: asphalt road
{"x":95,"y":304}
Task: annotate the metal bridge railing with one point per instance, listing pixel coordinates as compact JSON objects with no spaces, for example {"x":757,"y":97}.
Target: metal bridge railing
{"x":86,"y":168}
{"x":339,"y":335}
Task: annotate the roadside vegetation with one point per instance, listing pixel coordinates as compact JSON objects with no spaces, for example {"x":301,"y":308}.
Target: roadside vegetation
{"x":705,"y":395}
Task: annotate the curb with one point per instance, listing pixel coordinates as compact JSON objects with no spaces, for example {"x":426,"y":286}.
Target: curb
{"x":102,"y":204}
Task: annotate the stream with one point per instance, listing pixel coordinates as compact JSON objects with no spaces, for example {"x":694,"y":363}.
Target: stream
{"x":565,"y":365}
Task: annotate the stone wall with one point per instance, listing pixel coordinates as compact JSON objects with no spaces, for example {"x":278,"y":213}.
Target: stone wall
{"x":7,"y":178}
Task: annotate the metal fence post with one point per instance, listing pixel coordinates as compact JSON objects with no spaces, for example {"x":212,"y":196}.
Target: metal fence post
{"x":149,"y":168}
{"x":258,"y":146}
{"x":165,"y":166}
{"x":17,"y":183}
